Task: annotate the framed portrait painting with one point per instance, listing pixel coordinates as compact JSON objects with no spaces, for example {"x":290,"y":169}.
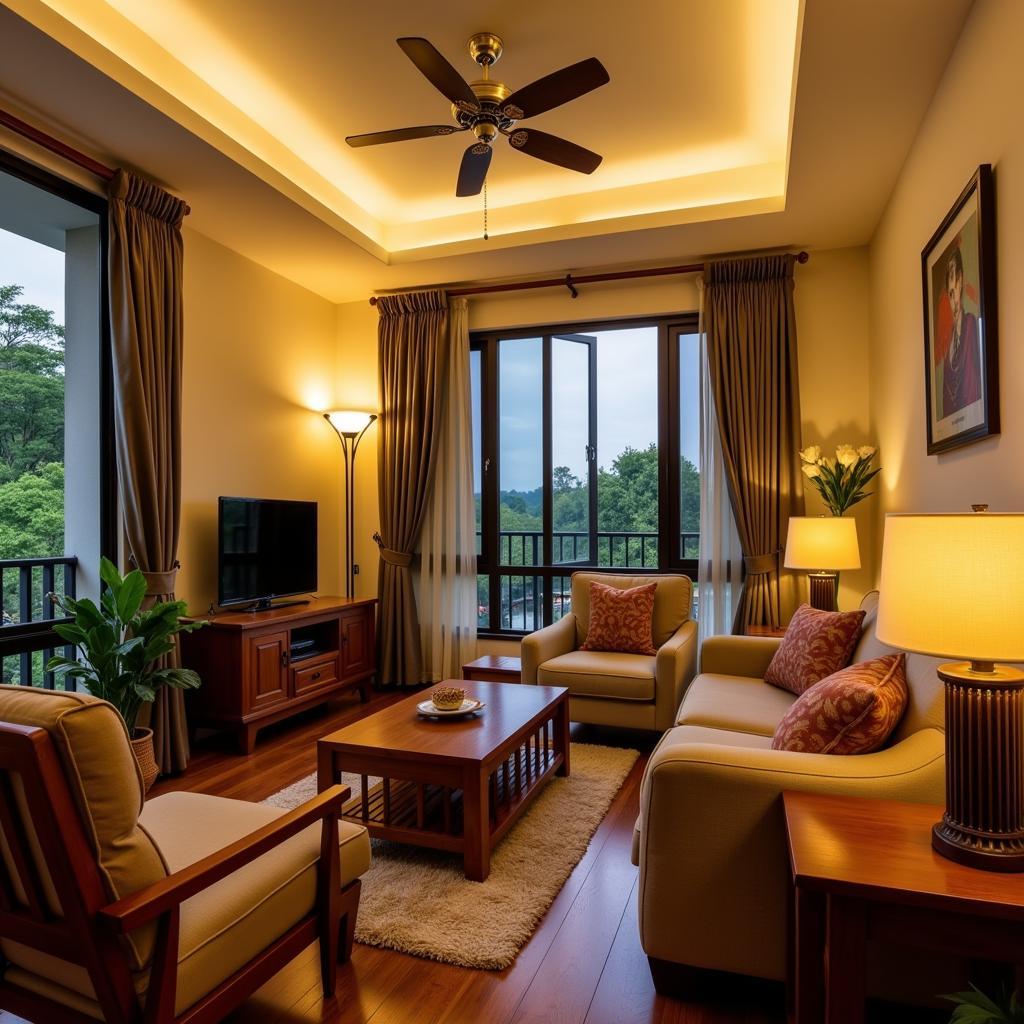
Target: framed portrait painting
{"x":960,"y":332}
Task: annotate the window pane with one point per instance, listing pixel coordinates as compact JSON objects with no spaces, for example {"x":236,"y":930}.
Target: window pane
{"x":570,"y":440}
{"x":522,"y":602}
{"x":689,"y":445}
{"x":520,"y":443}
{"x":478,"y":473}
{"x":483,"y":602}
{"x":627,"y":444}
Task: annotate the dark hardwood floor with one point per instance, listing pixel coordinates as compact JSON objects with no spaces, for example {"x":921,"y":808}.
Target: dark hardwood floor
{"x":583,"y":965}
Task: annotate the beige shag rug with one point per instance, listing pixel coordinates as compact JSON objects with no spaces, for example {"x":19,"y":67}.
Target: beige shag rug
{"x":418,"y":901}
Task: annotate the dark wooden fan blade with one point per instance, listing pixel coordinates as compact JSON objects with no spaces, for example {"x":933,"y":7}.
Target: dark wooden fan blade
{"x":555,"y":89}
{"x":475,"y":162}
{"x":554,"y":150}
{"x":402,"y":134}
{"x":441,"y":75}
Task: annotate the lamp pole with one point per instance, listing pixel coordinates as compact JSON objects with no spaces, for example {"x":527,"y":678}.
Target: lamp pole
{"x":347,"y":426}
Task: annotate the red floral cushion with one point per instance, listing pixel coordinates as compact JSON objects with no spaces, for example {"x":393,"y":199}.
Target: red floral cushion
{"x":620,"y":620}
{"x":816,"y":644}
{"x":853,"y":711}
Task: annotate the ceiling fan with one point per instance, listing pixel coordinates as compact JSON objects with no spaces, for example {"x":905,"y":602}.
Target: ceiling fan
{"x":489,"y":108}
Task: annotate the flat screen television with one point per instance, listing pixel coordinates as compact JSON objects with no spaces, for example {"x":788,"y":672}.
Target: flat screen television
{"x":266,"y":549}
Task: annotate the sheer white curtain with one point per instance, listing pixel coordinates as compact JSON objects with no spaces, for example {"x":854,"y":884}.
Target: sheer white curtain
{"x":720,"y":569}
{"x":446,"y":585}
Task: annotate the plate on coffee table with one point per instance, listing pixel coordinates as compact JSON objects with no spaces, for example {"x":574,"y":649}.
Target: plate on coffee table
{"x":469,"y":706}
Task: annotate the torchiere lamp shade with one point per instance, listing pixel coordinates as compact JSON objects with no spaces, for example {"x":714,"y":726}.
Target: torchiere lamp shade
{"x":823,"y":545}
{"x":348,"y":421}
{"x":953,"y":586}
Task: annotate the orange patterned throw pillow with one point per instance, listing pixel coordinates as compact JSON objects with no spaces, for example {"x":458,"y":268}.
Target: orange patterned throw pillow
{"x":620,"y":620}
{"x":853,"y":711}
{"x":816,"y":644}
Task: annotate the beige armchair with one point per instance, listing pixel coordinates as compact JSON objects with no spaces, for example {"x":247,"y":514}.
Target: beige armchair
{"x":173,"y":911}
{"x":710,"y":843}
{"x":630,"y":690}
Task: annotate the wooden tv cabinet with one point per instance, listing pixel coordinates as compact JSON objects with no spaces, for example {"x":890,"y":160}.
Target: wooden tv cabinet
{"x":250,"y":678}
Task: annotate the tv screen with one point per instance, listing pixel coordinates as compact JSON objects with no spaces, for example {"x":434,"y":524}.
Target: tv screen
{"x":267,"y":549}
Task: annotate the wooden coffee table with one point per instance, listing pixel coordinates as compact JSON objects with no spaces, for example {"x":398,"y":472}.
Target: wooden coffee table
{"x":452,"y":784}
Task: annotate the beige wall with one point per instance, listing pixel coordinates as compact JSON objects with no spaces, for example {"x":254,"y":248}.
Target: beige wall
{"x":832,"y":328}
{"x":974,"y":118}
{"x":260,"y":354}
{"x":832,"y":322}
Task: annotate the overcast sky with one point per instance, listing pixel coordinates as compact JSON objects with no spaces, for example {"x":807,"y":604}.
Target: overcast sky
{"x":37,"y":268}
{"x":627,"y":402}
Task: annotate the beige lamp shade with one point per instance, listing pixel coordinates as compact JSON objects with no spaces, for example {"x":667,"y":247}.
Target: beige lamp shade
{"x":822,"y":542}
{"x":349,"y":421}
{"x":952,"y":586}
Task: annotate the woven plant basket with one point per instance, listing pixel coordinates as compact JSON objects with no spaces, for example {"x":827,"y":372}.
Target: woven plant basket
{"x":142,"y":744}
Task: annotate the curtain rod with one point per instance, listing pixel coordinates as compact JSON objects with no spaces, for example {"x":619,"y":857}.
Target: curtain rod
{"x":570,"y":282}
{"x":62,"y":149}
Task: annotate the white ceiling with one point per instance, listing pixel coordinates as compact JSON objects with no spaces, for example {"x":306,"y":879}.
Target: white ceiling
{"x":866,"y":72}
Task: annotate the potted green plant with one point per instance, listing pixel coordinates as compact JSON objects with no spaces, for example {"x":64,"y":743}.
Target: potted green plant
{"x":119,"y":644}
{"x":975,"y":1007}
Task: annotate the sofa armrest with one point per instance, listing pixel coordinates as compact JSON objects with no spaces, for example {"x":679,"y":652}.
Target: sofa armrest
{"x":738,"y":655}
{"x":675,"y":667}
{"x":550,"y":642}
{"x":713,"y":847}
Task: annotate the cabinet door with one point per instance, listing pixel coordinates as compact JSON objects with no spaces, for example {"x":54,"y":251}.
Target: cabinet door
{"x":357,"y":654}
{"x":267,"y":673}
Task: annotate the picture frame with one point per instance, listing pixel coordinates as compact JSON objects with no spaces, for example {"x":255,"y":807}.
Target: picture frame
{"x":961,"y":337}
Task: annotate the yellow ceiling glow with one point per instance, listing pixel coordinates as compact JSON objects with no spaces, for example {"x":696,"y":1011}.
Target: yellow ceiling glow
{"x":687,"y":128}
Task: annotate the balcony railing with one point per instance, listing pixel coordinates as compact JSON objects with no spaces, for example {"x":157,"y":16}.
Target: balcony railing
{"x":523,"y":593}
{"x":28,"y":615}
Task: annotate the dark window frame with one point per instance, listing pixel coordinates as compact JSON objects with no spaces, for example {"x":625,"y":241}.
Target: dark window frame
{"x":40,"y":635}
{"x":670,"y":559}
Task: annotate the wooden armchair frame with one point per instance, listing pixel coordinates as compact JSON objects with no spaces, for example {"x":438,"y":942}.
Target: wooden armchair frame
{"x":89,"y":932}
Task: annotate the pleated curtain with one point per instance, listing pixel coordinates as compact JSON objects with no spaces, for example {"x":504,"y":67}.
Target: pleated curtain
{"x":145,"y":270}
{"x":446,"y":582}
{"x":413,"y":342}
{"x":750,"y":335}
{"x":720,"y":559}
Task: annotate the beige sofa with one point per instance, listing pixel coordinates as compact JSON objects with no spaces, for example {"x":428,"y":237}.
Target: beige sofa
{"x":710,"y":837}
{"x":633,"y":691}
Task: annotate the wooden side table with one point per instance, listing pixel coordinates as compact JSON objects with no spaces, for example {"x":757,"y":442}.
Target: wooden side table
{"x":865,"y":869}
{"x":494,"y":668}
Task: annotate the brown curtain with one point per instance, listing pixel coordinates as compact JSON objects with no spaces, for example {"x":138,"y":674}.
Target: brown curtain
{"x":145,"y":319}
{"x":413,"y":363}
{"x":750,"y":325}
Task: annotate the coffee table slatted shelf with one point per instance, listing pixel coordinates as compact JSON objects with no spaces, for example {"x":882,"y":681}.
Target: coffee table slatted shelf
{"x":455,"y":785}
{"x":401,"y":808}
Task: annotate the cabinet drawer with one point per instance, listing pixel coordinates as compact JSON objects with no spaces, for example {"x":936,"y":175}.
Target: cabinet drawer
{"x":315,"y":676}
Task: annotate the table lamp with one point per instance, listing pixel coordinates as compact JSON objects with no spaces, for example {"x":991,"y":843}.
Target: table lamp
{"x":953,"y":586}
{"x":350,"y":425}
{"x":823,"y":545}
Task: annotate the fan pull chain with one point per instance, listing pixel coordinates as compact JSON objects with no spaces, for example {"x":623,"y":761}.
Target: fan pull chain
{"x":485,"y":211}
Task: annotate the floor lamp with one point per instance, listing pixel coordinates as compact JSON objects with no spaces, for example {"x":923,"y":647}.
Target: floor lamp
{"x":350,"y":427}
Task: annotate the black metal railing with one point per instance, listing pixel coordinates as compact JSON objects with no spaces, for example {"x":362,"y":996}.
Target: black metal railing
{"x":614,"y":549}
{"x":28,"y":615}
{"x":522,"y":593}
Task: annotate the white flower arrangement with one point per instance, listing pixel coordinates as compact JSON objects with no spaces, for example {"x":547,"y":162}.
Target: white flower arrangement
{"x":841,"y":480}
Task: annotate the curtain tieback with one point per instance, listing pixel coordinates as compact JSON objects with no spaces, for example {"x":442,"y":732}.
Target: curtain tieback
{"x":760,"y":565}
{"x":160,"y":583}
{"x":402,"y":559}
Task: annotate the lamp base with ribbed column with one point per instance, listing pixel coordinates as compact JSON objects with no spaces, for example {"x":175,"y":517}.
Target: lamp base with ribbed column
{"x":823,"y":590}
{"x":983,"y":826}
